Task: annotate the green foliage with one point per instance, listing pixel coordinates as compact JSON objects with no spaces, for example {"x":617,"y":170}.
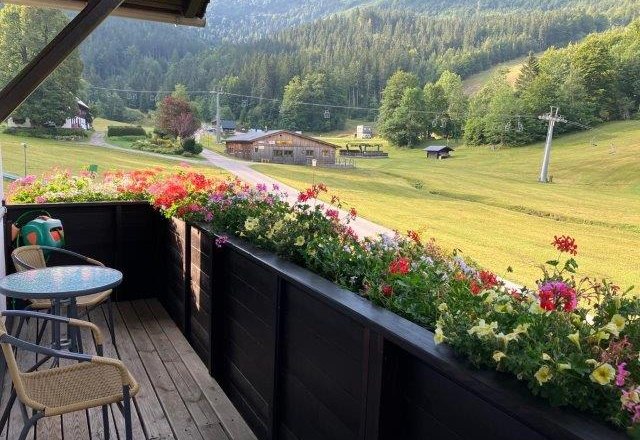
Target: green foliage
{"x":158,"y":145}
{"x":591,"y":82}
{"x":315,"y":87}
{"x":190,"y":146}
{"x":125,"y":130}
{"x":24,"y":31}
{"x":61,"y":134}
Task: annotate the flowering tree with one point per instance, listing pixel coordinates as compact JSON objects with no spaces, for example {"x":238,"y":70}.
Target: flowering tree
{"x":177,"y":117}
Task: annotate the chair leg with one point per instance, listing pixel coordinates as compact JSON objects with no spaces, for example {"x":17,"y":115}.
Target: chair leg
{"x":19,"y":329}
{"x":105,"y":421}
{"x":7,"y":409}
{"x":41,"y":331}
{"x":112,"y":331}
{"x":126,"y":398}
{"x":30,"y":424}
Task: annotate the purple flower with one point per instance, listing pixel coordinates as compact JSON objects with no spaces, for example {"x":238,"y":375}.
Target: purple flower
{"x":221,"y":241}
{"x":208,"y":216}
{"x":262,"y":187}
{"x":622,"y":375}
{"x":275,"y":187}
{"x":216,"y":198}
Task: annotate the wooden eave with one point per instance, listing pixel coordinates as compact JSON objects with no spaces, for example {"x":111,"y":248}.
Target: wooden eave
{"x":180,"y":12}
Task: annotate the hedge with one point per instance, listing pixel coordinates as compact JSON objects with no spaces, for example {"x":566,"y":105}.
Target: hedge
{"x":48,"y":133}
{"x":125,"y":130}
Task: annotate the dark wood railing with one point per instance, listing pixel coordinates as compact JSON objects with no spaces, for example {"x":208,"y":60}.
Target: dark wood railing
{"x":301,"y":358}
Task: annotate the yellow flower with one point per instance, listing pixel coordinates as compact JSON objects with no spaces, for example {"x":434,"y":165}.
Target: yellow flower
{"x":278,"y":225}
{"x":483,"y":330}
{"x":575,"y":338}
{"x":290,"y":216}
{"x":299,"y":241}
{"x":543,"y":375}
{"x":503,"y":308}
{"x":251,"y":223}
{"x":546,"y":357}
{"x":603,"y":374}
{"x":439,"y":336}
{"x":562,"y":367}
{"x":619,"y":322}
{"x":443,"y":307}
{"x":521,"y":329}
{"x":498,"y":355}
{"x":505,"y":339}
{"x":611,"y":328}
{"x":600,"y":335}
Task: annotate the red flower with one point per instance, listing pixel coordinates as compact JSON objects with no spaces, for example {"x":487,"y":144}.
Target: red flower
{"x":475,"y":287}
{"x":387,"y":290}
{"x":556,"y":294}
{"x":413,"y":235}
{"x":333,"y":214}
{"x":312,"y":193}
{"x":353,"y":213}
{"x":565,"y":243}
{"x":400,"y":266}
{"x":488,"y":279}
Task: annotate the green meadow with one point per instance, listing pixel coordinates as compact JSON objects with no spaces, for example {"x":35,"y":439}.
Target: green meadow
{"x":488,"y":203}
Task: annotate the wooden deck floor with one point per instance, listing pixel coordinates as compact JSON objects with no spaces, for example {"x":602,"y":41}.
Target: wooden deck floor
{"x":177,"y":400}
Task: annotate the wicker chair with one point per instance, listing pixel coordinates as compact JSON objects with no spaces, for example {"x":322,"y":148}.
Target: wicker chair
{"x":93,"y":382}
{"x":33,"y":257}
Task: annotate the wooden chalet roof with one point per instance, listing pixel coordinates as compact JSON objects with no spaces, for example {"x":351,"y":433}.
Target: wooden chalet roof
{"x":248,"y":138}
{"x":180,"y":12}
{"x":438,"y":149}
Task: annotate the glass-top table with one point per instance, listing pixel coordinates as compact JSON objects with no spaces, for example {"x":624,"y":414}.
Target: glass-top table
{"x":61,"y":284}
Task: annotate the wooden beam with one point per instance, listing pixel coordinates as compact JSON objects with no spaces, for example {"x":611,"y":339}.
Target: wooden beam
{"x":139,"y":9}
{"x":34,"y":73}
{"x":193,"y":8}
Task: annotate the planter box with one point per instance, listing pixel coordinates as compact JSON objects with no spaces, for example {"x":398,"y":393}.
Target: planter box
{"x":122,"y":235}
{"x":303,"y":359}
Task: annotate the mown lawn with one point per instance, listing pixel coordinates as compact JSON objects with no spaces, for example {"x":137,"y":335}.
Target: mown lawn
{"x":44,"y":154}
{"x":490,"y":205}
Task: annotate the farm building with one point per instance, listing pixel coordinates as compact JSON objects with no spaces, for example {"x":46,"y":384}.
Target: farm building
{"x":228,"y":126}
{"x":281,"y":146}
{"x":81,"y":119}
{"x":438,"y":151}
{"x":364,"y":132}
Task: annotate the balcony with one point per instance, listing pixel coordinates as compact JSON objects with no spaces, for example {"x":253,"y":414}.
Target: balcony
{"x":236,"y":343}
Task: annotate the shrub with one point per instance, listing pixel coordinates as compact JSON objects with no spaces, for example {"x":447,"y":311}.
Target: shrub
{"x":158,"y":145}
{"x":125,"y":130}
{"x":190,"y":146}
{"x":64,"y":134}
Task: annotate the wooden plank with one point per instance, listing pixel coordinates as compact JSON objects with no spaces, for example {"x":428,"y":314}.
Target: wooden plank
{"x":224,"y":409}
{"x":205,"y":418}
{"x":95,"y":414}
{"x":151,"y":411}
{"x":177,"y":413}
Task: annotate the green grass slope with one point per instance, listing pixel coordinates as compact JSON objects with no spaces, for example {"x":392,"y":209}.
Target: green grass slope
{"x":490,"y":205}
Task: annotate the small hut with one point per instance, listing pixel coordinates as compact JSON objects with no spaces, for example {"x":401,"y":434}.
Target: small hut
{"x":438,"y":151}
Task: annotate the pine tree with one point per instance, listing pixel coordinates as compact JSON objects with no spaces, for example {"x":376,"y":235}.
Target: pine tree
{"x":530,"y":70}
{"x":24,"y":31}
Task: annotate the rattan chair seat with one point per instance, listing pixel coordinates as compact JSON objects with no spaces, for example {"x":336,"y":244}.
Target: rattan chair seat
{"x":75,"y":387}
{"x":82,"y":301}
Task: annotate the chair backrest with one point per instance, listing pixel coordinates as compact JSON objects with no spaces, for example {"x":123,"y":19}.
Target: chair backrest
{"x":12,"y":364}
{"x":28,"y":257}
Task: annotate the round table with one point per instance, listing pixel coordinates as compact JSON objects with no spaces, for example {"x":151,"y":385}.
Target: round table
{"x":62,"y":284}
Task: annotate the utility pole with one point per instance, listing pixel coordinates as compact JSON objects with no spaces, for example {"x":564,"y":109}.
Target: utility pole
{"x":552,"y":117}
{"x":218,"y":123}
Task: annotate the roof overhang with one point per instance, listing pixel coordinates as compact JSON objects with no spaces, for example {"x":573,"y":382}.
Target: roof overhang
{"x":179,"y":12}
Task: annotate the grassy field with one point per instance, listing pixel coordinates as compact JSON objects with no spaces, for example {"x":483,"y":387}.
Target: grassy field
{"x":44,"y":154}
{"x":100,"y":124}
{"x":489,"y":204}
{"x":512,"y":68}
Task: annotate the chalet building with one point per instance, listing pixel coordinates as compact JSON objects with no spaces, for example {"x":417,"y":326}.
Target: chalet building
{"x":81,"y":119}
{"x":228,"y":126}
{"x":438,"y":151}
{"x":281,"y":146}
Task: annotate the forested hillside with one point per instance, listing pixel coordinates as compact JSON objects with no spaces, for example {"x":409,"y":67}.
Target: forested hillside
{"x":358,"y":50}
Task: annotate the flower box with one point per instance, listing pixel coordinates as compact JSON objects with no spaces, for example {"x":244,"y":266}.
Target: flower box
{"x":302,"y":358}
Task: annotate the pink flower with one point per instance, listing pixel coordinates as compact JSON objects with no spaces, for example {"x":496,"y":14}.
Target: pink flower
{"x":554,"y":294}
{"x":41,"y":199}
{"x":221,"y":241}
{"x":622,"y":374}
